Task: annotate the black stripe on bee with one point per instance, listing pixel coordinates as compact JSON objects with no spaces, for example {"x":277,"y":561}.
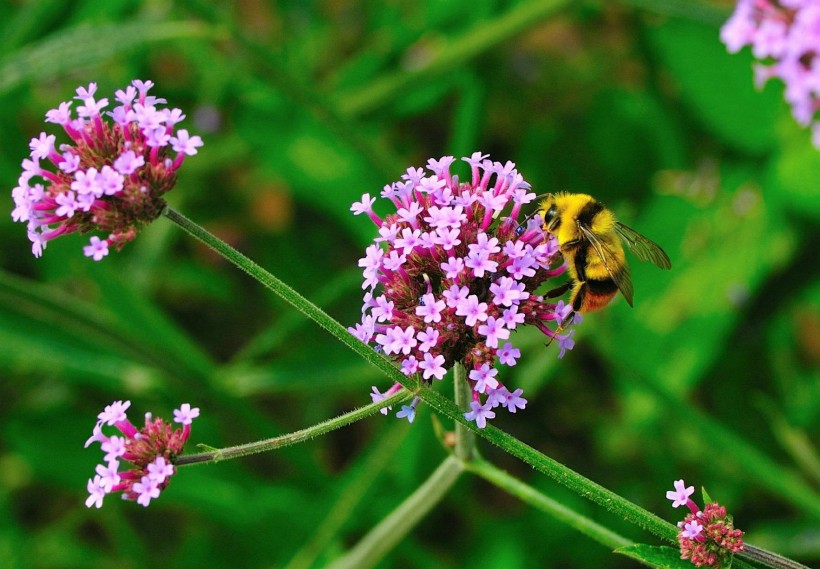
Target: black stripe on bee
{"x":602,"y":286}
{"x":589,"y":211}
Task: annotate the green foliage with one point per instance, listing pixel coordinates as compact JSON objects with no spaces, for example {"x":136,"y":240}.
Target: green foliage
{"x":711,"y":378}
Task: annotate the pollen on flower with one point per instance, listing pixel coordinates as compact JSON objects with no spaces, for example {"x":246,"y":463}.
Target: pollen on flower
{"x":450,"y":276}
{"x":707,"y":537}
{"x":112,"y":176}
{"x":150,"y":451}
{"x":783,"y":37}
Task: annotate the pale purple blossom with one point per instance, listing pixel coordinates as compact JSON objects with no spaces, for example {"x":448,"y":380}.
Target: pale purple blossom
{"x":186,"y":414}
{"x":430,"y":308}
{"x":565,"y":342}
{"x":692,"y":530}
{"x":450,"y":275}
{"x":114,"y":413}
{"x":160,"y":470}
{"x":148,"y":451}
{"x":112,"y":176}
{"x":432,"y":366}
{"x":784,"y":37}
{"x":480,"y":414}
{"x":484,"y":378}
{"x":146,"y":490}
{"x":472,"y":309}
{"x":96,"y":492}
{"x":508,"y":355}
{"x":96,"y":249}
{"x":494,"y":331}
{"x":707,"y":537}
{"x":680,"y":495}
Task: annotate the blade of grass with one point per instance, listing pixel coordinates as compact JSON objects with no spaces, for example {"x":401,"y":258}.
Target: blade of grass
{"x":398,"y":523}
{"x":533,"y":497}
{"x":353,"y":491}
{"x":89,"y":45}
{"x":479,"y":38}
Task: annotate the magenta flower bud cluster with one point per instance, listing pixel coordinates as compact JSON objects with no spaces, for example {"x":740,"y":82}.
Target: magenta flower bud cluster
{"x":113,"y":175}
{"x":707,"y":537}
{"x":451,"y":276}
{"x":785,"y":37}
{"x":150,"y":452}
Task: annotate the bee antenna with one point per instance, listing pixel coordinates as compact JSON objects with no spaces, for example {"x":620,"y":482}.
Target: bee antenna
{"x":520,"y":227}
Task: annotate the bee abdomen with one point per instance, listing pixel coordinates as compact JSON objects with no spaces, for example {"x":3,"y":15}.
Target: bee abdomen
{"x":594,"y":294}
{"x":602,"y":286}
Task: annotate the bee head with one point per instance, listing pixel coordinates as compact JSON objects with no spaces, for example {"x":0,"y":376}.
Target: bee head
{"x":549,"y":211}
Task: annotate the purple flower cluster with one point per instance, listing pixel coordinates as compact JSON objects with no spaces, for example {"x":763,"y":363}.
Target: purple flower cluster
{"x":112,"y":177}
{"x":785,"y":36}
{"x":449,"y":278}
{"x":707,"y":537}
{"x":150,"y":450}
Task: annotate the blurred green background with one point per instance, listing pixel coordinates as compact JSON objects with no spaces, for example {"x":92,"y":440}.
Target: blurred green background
{"x":304,"y":106}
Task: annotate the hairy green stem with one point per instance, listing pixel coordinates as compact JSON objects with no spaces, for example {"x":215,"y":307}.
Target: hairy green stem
{"x":392,"y":529}
{"x":355,"y":487}
{"x":292,"y":297}
{"x":533,"y":497}
{"x":319,"y":429}
{"x":465,"y":439}
{"x":555,"y":470}
{"x":574,"y":481}
{"x":768,"y":558}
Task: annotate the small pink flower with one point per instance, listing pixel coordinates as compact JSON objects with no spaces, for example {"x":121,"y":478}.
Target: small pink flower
{"x":680,"y":496}
{"x":149,"y":453}
{"x":453,"y":272}
{"x":111,"y":178}
{"x":707,"y":538}
{"x":783,"y":36}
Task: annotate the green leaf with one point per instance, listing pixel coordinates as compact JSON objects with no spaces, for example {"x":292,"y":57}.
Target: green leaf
{"x":483,"y":36}
{"x":792,"y":176}
{"x":706,"y":498}
{"x":87,"y":45}
{"x":716,"y":86}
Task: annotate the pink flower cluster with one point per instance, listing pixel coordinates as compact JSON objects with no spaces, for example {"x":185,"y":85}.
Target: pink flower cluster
{"x":111,"y":178}
{"x":450,"y":277}
{"x":150,"y":450}
{"x":707,"y":537}
{"x":785,"y":36}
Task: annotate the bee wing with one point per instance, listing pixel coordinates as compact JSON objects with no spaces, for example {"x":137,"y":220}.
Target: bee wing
{"x":644,"y":249}
{"x":620,"y":275}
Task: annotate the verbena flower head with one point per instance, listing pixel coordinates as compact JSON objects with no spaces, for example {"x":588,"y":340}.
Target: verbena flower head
{"x":150,"y":452}
{"x":707,"y":537}
{"x":785,"y":37}
{"x":453,"y":272}
{"x":112,"y":176}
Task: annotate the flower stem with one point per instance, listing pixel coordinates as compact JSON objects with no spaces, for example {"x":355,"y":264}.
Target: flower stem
{"x":451,"y":467}
{"x":533,"y":497}
{"x":555,"y":470}
{"x":355,"y":486}
{"x":295,"y":299}
{"x":392,"y":529}
{"x":768,"y":558}
{"x":217,"y":455}
{"x":465,"y":439}
{"x":572,"y":480}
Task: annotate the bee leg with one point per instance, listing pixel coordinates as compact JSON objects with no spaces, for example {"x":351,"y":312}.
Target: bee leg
{"x":558,"y":291}
{"x":580,"y":295}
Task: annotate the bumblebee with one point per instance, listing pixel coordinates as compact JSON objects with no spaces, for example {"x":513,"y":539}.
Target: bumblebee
{"x":590,"y":239}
